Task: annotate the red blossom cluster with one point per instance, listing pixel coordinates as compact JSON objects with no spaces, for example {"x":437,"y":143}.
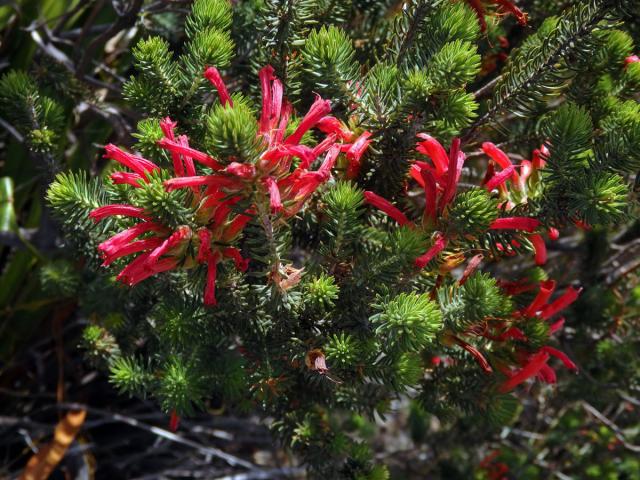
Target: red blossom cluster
{"x":274,"y":180}
{"x":510,"y":340}
{"x":535,"y":363}
{"x":506,"y":6}
{"x":495,"y":469}
{"x":439,"y":181}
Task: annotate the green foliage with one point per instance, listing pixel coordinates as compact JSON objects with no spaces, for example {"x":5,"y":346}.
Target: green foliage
{"x":173,"y":208}
{"x":453,"y":66}
{"x":232,"y":132}
{"x":343,"y":213}
{"x":503,"y":410}
{"x":157,"y":87}
{"x":60,"y":278}
{"x":127,"y":374}
{"x":330,"y":65}
{"x":599,"y":198}
{"x":321,"y":292}
{"x":479,"y":298}
{"x":590,"y":191}
{"x":73,"y":196}
{"x":208,"y":14}
{"x":342,"y":351}
{"x":472,"y":212}
{"x":569,"y":130}
{"x":408,"y":322}
{"x":101,"y":348}
{"x":540,"y":69}
{"x":209,"y":47}
{"x":181,"y":386}
{"x":148,"y":134}
{"x":37,"y":117}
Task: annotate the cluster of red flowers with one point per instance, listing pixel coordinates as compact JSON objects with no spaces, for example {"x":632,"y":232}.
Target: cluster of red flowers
{"x":495,"y":469}
{"x":535,"y":364}
{"x":506,"y":5}
{"x":439,"y":180}
{"x":506,"y":336}
{"x":219,"y":193}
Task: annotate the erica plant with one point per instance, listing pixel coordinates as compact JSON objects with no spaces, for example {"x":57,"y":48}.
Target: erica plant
{"x":342,"y":207}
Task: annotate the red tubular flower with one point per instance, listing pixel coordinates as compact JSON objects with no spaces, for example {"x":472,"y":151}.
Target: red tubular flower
{"x":535,"y":364}
{"x":631,"y":59}
{"x":200,"y":181}
{"x":241,"y":263}
{"x":539,"y":156}
{"x":196,"y":155}
{"x":456,"y":160}
{"x":484,"y":364}
{"x":540,"y":249}
{"x":138,"y":270}
{"x":331,"y":124}
{"x":129,"y":249}
{"x":318,"y":110}
{"x":354,"y":154}
{"x":167,"y":126}
{"x":556,"y":326}
{"x":435,"y":151}
{"x":472,"y":266}
{"x":176,"y":238}
{"x":515,"y":223}
{"x":386,"y":207}
{"x":501,"y":159}
{"x":439,"y":245}
{"x":127,"y":178}
{"x":430,"y":194}
{"x":547,"y":375}
{"x":139,"y":165}
{"x":546,"y":290}
{"x":496,"y":155}
{"x":513,"y":332}
{"x":554,"y":234}
{"x":204,"y":250}
{"x":266,"y":78}
{"x":121,"y":239}
{"x":499,"y":178}
{"x":560,"y":356}
{"x":242,"y":170}
{"x":509,"y":7}
{"x":190,"y":168}
{"x":526,"y":169}
{"x":329,"y":162}
{"x":174,"y":421}
{"x":235,"y":227}
{"x":567,"y":298}
{"x":214,"y":77}
{"x":274,"y":195}
{"x":117,"y":209}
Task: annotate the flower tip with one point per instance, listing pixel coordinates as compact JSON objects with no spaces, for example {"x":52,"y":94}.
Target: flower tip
{"x":631,"y":59}
{"x":166,"y":121}
{"x":109,"y":148}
